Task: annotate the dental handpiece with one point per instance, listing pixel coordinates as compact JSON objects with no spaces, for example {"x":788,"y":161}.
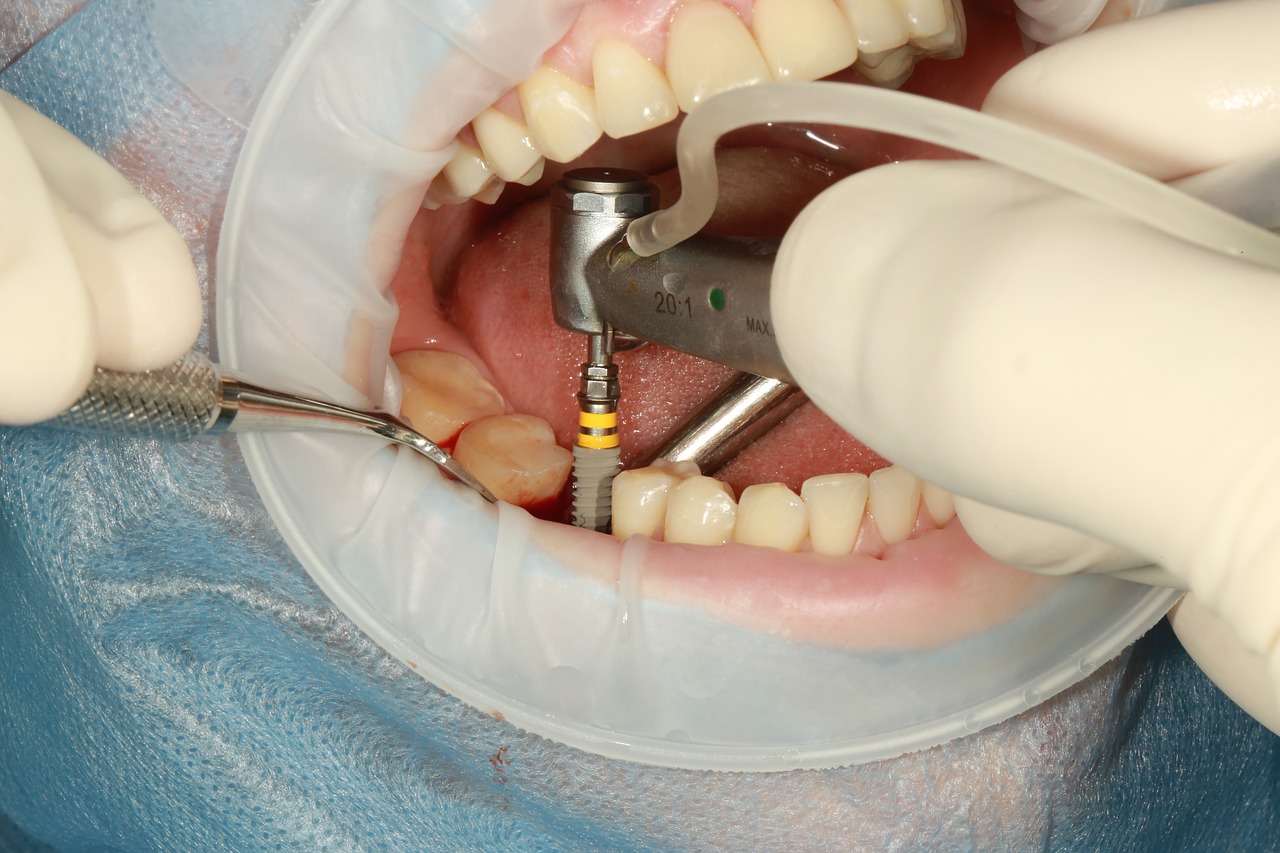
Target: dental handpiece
{"x":194,"y":397}
{"x":708,"y":297}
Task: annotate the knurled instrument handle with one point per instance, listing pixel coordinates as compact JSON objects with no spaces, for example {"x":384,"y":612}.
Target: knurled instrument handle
{"x":176,"y":403}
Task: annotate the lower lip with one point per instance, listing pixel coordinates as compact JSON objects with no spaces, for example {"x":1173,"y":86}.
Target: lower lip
{"x":923,"y":593}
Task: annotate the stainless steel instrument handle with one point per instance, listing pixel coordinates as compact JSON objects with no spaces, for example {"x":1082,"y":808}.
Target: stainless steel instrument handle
{"x":192,"y":397}
{"x":177,"y":403}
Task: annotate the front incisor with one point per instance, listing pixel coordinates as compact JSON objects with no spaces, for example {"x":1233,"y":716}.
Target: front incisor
{"x":836,"y":503}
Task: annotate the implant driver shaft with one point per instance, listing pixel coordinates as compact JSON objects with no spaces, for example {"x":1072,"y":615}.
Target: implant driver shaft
{"x":596,"y":453}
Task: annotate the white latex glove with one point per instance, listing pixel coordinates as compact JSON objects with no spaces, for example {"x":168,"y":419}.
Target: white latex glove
{"x":1038,"y":353}
{"x":90,"y":272}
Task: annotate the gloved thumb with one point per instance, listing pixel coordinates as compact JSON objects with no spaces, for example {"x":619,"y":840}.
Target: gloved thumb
{"x":1038,"y":353}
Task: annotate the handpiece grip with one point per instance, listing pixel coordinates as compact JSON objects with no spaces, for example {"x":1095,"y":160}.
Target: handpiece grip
{"x":707,"y":297}
{"x":175,"y":403}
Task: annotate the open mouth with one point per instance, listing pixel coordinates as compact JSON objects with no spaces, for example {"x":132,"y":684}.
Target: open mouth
{"x":807,"y":533}
{"x":754,"y":587}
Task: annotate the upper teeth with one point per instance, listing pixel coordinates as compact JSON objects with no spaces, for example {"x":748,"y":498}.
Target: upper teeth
{"x":708,"y":50}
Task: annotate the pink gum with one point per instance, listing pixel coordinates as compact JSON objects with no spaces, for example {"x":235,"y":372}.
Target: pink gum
{"x":643,"y":24}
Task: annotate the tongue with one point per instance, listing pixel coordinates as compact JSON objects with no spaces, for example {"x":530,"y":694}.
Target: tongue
{"x":502,"y":303}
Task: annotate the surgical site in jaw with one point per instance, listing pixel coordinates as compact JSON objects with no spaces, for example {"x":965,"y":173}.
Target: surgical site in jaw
{"x":876,"y":561}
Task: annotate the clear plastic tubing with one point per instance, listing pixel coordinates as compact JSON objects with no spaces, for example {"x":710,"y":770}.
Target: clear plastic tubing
{"x":1158,"y":205}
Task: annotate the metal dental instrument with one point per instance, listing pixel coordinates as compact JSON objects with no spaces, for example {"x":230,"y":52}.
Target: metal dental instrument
{"x":590,"y":209}
{"x":194,"y":397}
{"x":708,"y":297}
{"x":743,"y":411}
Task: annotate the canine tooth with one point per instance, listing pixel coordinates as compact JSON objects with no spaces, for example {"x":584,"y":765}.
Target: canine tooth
{"x":836,"y":503}
{"x":939,"y":502}
{"x":632,"y":94}
{"x":709,"y":50}
{"x":561,"y":113}
{"x":443,"y":392}
{"x":803,"y":39}
{"x":893,"y":502}
{"x":640,"y":501}
{"x":516,"y":457}
{"x":879,"y":24}
{"x":771,"y":515}
{"x":700,"y":511}
{"x":506,"y":144}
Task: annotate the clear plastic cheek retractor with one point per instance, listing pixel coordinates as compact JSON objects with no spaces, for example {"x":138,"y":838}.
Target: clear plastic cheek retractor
{"x":195,"y":397}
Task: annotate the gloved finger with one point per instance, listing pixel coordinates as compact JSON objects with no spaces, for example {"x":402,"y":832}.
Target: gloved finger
{"x":1076,"y":366}
{"x":1129,"y":92}
{"x":135,"y":265}
{"x":1240,"y":673}
{"x":1037,"y":545}
{"x":47,"y":337}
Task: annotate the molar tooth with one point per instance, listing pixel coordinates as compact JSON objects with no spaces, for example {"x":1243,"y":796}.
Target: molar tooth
{"x":443,"y":392}
{"x":561,"y":113}
{"x":709,"y":51}
{"x":516,"y":457}
{"x":771,"y":515}
{"x":632,"y":94}
{"x":700,"y":511}
{"x":836,"y":502}
{"x":939,"y":502}
{"x":879,"y":24}
{"x":893,"y":502}
{"x":506,"y":144}
{"x":803,"y":39}
{"x":640,"y":501}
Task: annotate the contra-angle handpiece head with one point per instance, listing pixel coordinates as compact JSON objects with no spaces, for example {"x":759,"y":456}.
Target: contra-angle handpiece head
{"x":707,"y":297}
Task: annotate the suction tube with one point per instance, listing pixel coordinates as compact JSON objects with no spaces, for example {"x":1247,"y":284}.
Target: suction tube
{"x":1037,"y":154}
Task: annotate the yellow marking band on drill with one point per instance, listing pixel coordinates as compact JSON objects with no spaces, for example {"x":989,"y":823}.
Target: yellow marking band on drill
{"x":597,"y":430}
{"x":598,"y":420}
